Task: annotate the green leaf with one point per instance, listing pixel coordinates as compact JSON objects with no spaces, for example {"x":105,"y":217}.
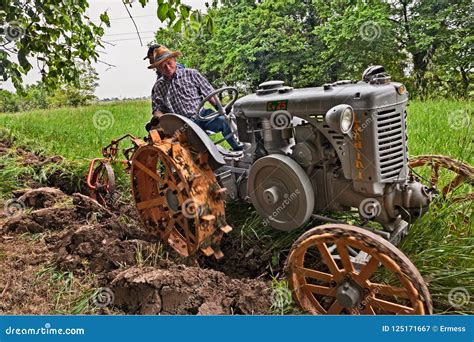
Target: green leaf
{"x":22,"y":59}
{"x":178,"y":26}
{"x":184,"y":10}
{"x":163,"y":11}
{"x":171,"y":15}
{"x":104,"y":17}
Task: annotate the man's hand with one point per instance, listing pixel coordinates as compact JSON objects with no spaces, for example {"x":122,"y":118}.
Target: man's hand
{"x":154,"y":122}
{"x":213,"y":101}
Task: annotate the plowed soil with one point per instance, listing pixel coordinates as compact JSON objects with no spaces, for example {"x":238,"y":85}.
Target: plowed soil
{"x":76,"y":235}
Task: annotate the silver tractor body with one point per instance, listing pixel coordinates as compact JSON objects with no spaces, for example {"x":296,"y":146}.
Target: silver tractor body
{"x":326,"y":149}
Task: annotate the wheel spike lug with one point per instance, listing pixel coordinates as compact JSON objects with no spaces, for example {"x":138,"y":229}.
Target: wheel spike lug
{"x":218,"y":253}
{"x":226,"y":229}
{"x":208,"y":251}
{"x":219,"y":193}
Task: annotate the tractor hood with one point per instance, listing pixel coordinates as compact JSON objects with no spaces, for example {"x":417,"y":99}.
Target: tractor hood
{"x":273,"y":96}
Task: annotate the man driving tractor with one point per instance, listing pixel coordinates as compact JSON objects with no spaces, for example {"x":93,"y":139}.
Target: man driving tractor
{"x":180,"y":91}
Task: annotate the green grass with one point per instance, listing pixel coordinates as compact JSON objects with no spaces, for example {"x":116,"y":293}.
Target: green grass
{"x":440,"y":244}
{"x":441,"y":127}
{"x":70,"y":132}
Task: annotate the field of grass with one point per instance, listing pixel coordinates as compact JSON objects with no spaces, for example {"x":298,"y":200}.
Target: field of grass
{"x":441,"y":244}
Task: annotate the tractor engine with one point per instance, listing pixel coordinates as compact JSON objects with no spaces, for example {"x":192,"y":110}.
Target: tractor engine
{"x":329,"y":148}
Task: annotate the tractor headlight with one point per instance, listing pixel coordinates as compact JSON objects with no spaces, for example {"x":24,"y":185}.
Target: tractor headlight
{"x":347,"y":120}
{"x":340,"y":118}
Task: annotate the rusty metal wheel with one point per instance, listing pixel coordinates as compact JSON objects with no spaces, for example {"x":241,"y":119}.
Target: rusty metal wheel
{"x":327,"y":278}
{"x":453,"y":178}
{"x":178,"y":198}
{"x":103,"y":182}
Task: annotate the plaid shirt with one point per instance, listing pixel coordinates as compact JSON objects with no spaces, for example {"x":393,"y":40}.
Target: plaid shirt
{"x":182,"y":94}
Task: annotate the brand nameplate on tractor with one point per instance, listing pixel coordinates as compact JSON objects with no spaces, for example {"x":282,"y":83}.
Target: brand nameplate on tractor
{"x":277,"y":105}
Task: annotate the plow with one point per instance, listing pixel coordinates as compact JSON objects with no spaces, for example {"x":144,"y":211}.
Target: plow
{"x":337,"y":148}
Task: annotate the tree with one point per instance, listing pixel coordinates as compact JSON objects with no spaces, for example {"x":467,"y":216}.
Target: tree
{"x":252,"y":43}
{"x":438,"y":36}
{"x":55,"y":34}
{"x":426,"y":44}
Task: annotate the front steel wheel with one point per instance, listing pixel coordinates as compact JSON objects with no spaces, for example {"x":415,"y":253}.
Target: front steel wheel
{"x":342,"y":269}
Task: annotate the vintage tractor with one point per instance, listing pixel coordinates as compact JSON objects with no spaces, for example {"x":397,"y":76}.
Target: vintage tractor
{"x":309,"y":152}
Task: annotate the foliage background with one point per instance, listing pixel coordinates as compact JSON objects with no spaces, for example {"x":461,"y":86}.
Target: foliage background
{"x":426,"y":44}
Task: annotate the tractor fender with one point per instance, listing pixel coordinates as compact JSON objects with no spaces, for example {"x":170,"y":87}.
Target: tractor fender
{"x":197,"y":138}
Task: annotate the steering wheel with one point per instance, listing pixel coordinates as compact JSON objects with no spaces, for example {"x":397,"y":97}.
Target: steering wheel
{"x":221,"y":110}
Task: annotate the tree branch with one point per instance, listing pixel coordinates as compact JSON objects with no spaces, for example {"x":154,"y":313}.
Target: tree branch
{"x":133,"y":21}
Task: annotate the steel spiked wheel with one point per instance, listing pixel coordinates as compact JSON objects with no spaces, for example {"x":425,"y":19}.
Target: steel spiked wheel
{"x":325,"y":282}
{"x":102,"y":183}
{"x":178,"y":197}
{"x":454,"y":179}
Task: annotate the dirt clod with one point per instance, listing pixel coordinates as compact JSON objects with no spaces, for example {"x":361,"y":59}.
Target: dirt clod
{"x":41,"y":197}
{"x":188,"y":290}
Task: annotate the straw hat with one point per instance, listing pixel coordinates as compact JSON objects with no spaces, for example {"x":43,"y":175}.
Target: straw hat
{"x":150,"y":50}
{"x":161,"y":54}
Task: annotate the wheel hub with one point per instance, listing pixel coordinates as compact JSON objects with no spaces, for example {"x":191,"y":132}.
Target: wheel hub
{"x":271,"y":195}
{"x":172,"y":200}
{"x":349,"y":294}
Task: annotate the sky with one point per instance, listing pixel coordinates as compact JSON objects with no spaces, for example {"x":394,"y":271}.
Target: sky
{"x":130,"y":77}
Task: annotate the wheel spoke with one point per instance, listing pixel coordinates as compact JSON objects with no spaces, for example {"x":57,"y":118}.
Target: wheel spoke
{"x":322,"y":290}
{"x":335,"y":308}
{"x":453,"y":184}
{"x":434,"y":173}
{"x":346,"y":260}
{"x":149,"y":172}
{"x":307,"y":272}
{"x":169,"y":229}
{"x":150,"y":203}
{"x":368,"y":310}
{"x":369,"y":269}
{"x":388,"y":290}
{"x":328,"y":259}
{"x":390,"y":306}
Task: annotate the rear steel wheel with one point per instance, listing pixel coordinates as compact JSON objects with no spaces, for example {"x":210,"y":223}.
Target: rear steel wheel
{"x":327,"y":283}
{"x":453,"y":178}
{"x":103,"y":181}
{"x":178,"y":198}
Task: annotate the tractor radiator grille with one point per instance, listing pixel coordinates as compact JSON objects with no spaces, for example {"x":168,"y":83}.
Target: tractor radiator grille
{"x":390,"y":135}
